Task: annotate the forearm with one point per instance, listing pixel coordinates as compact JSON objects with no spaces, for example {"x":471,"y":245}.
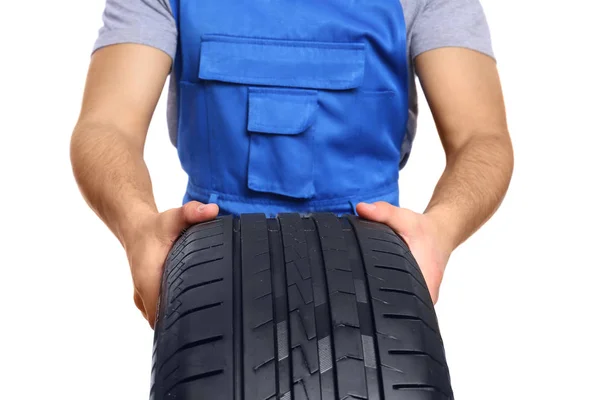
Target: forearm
{"x":112,"y":176}
{"x":472,"y":186}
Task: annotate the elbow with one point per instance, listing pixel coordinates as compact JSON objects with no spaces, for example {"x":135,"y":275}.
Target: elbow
{"x":80,"y":153}
{"x":504,"y":148}
{"x":83,"y":140}
{"x":93,"y":140}
{"x":493,"y":148}
{"x":88,"y":142}
{"x":510,"y":154}
{"x":75,"y":149}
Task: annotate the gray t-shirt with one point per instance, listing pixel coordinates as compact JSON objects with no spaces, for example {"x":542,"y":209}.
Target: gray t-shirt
{"x":430,"y":24}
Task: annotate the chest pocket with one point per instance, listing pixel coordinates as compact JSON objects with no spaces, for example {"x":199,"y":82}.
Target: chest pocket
{"x":275,"y":87}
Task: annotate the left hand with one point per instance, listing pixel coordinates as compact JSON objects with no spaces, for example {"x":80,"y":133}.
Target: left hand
{"x":422,"y":234}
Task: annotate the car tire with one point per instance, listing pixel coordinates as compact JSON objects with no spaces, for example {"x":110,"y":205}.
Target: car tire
{"x":298,"y":307}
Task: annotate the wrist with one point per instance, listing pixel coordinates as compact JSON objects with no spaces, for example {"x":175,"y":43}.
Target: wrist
{"x":446,"y":228}
{"x":135,"y":226}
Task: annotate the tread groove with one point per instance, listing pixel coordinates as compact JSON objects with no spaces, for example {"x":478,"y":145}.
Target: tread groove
{"x":289,"y":395}
{"x":394,"y":290}
{"x":417,"y":386}
{"x":194,"y":378}
{"x":409,"y":318}
{"x":180,"y":271}
{"x":322,"y":327}
{"x":304,"y":375}
{"x":259,"y":367}
{"x":376,"y":392}
{"x":262,"y":364}
{"x":400,"y":270}
{"x":379,"y":230}
{"x":395,"y":255}
{"x":386,"y":241}
{"x":391,"y":368}
{"x":195,"y":239}
{"x":193,"y":310}
{"x":256,"y":327}
{"x":415,"y":353}
{"x":274,"y":308}
{"x":191,"y":345}
{"x":328,"y":303}
{"x":188,"y":288}
{"x":238,"y":316}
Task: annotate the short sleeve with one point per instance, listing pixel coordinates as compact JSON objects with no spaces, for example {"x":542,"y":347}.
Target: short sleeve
{"x":451,"y":23}
{"x":147,"y":22}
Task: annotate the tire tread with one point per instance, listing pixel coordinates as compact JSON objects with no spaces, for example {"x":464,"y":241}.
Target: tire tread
{"x":298,"y":307}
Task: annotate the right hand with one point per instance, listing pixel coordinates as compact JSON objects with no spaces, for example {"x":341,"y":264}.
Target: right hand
{"x":148,"y":248}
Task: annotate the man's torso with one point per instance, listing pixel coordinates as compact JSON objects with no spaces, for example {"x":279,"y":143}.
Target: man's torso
{"x":425,"y":25}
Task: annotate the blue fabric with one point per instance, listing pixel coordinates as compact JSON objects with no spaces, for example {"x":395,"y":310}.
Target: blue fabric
{"x":213,"y":198}
{"x":281,"y":111}
{"x":281,"y":153}
{"x":289,"y":106}
{"x":289,"y":62}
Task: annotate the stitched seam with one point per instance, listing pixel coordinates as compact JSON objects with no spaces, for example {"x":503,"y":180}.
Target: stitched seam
{"x":302,"y":98}
{"x":304,"y":82}
{"x":300,"y":194}
{"x":387,"y":189}
{"x":262,"y":92}
{"x":365,"y":92}
{"x":254,"y":127}
{"x":345,"y":46}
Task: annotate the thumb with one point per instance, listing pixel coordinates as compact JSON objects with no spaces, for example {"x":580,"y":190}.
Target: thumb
{"x":400,"y":220}
{"x":194,"y":212}
{"x":379,"y":212}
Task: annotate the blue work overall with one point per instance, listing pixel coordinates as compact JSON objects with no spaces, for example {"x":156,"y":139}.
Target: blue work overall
{"x":291,"y":106}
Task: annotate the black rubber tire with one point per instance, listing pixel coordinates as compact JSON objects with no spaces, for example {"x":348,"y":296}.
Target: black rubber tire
{"x":296,"y":308}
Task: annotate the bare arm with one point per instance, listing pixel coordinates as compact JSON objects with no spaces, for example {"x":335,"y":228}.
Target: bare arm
{"x":107,"y":149}
{"x":123,"y":86}
{"x":464,"y":93}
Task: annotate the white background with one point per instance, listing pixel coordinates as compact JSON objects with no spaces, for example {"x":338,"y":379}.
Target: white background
{"x":519,"y":304}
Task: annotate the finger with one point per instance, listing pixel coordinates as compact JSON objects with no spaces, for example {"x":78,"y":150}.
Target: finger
{"x":139,"y":304}
{"x":149,"y":311}
{"x":151,"y":315}
{"x":150,"y":299}
{"x":138,"y":301}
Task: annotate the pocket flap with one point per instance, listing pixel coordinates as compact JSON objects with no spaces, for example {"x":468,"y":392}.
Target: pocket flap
{"x":291,"y":63}
{"x":281,"y":111}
